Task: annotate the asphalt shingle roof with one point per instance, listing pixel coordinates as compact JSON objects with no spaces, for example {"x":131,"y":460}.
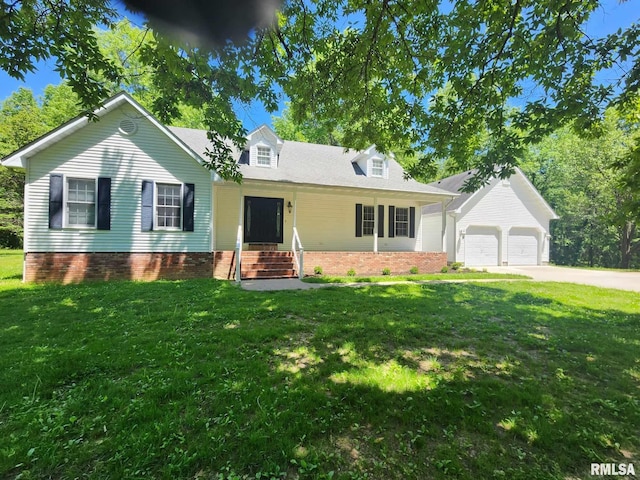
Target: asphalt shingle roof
{"x":307,"y":163}
{"x":451,"y":184}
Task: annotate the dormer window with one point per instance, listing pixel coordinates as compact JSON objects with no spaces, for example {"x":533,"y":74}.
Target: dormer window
{"x":264,"y":147}
{"x":377,"y":167}
{"x":263,"y":156}
{"x":372,"y":163}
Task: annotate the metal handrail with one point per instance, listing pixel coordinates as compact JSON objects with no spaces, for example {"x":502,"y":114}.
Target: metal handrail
{"x":296,"y":245}
{"x":239,"y":254}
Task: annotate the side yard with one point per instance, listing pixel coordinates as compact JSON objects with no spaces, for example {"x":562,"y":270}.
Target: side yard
{"x":200,"y":379}
{"x":10,"y":265}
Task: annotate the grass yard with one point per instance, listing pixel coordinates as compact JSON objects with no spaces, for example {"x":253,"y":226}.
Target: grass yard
{"x":586,"y":267}
{"x":425,"y":277}
{"x":202,"y":380}
{"x":10,"y":265}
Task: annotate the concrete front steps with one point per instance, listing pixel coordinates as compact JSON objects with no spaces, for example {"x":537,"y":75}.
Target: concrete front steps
{"x":267,"y":265}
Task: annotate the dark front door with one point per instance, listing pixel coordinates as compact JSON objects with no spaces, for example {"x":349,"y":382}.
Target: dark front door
{"x":263,"y":220}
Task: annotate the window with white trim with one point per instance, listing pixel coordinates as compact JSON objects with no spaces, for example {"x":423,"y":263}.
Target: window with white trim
{"x":377,"y":167}
{"x":168,"y":206}
{"x":263,"y":156}
{"x":402,"y":222}
{"x":81,"y":202}
{"x":368,"y":220}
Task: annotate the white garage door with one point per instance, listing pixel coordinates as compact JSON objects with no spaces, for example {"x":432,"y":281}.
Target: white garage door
{"x":482,"y":246}
{"x":523,"y":246}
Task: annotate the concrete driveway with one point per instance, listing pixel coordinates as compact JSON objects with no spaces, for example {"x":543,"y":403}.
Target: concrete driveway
{"x":600,"y":278}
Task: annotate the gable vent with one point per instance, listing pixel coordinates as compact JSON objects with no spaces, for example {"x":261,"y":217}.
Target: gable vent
{"x":128,"y":127}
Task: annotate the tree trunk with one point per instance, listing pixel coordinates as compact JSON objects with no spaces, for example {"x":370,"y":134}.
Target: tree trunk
{"x":627,"y":249}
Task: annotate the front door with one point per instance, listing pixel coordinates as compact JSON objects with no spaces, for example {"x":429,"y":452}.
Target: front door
{"x":263,"y":220}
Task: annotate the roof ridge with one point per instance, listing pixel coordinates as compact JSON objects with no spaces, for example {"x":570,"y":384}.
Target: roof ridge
{"x":456,"y":175}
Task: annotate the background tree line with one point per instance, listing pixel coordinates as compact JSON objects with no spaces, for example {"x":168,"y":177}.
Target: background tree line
{"x":415,"y":78}
{"x":25,"y":117}
{"x":579,"y":177}
{"x":576,"y":176}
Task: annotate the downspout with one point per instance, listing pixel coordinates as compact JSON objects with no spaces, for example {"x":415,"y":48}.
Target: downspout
{"x":454,"y":216}
{"x":540,"y":252}
{"x":25,"y":222}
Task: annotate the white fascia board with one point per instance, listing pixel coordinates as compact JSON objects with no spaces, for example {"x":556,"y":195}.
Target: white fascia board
{"x":547,"y":207}
{"x":366,"y":153}
{"x":121,"y":97}
{"x":552,"y":213}
{"x":264,"y":127}
{"x":19,"y":157}
{"x":491,"y":184}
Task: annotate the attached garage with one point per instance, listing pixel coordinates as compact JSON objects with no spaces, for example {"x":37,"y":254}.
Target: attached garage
{"x":522,"y":246}
{"x":506,"y":222}
{"x":482,"y":246}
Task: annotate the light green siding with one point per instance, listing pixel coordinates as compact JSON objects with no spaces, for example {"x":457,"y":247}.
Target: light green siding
{"x":100,"y":150}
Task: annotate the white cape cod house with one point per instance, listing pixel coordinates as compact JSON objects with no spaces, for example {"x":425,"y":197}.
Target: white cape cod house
{"x":127,"y":197}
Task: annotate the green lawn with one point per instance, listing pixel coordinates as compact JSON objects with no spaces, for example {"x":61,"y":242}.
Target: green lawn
{"x":586,"y":267}
{"x":10,"y":265}
{"x":426,"y":277}
{"x":202,"y":380}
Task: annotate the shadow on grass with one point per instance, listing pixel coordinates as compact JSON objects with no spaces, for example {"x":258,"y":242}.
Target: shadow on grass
{"x":199,"y":378}
{"x":11,"y":277}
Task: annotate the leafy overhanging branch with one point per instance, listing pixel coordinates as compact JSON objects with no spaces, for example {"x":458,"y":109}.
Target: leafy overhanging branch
{"x":425,"y":76}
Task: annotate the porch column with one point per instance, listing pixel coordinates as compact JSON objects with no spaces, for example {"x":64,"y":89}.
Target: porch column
{"x":454,"y":233}
{"x":241,"y":208}
{"x":239,"y":239}
{"x":444,"y":227}
{"x":295,"y":208}
{"x":213,"y":236}
{"x":375,"y":224}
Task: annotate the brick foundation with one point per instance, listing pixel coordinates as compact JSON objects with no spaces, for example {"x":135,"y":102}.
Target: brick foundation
{"x":370,"y":263}
{"x":224,"y":264}
{"x":339,"y":263}
{"x":78,"y":267}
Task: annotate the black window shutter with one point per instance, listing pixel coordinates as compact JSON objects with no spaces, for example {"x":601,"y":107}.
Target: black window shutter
{"x":188,"y":194}
{"x":147,"y":206}
{"x":392,"y":221}
{"x":104,"y":203}
{"x":358,"y":219}
{"x":380,"y":221}
{"x":56,"y":187}
{"x":412,"y":222}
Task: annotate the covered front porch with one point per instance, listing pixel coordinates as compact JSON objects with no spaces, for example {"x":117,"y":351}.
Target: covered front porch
{"x":301,"y":227}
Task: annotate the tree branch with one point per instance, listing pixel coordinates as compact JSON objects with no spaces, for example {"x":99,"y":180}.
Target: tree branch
{"x":137,"y":47}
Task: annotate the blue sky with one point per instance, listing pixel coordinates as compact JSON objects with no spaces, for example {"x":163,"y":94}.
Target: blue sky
{"x":611,"y":16}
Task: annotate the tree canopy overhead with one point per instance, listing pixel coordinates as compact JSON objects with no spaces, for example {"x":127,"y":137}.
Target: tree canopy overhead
{"x":428,"y":74}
